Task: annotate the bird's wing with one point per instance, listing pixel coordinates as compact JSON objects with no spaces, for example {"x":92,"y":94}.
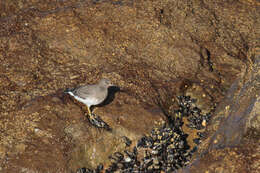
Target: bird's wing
{"x":83,"y":91}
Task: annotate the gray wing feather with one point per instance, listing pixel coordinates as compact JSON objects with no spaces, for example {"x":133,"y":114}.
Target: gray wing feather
{"x":84,"y":91}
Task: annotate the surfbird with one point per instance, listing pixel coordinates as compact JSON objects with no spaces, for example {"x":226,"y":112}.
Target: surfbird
{"x":91,"y":95}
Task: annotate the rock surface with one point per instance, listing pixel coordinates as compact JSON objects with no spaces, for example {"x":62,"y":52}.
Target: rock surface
{"x":153,"y":50}
{"x":233,"y":141}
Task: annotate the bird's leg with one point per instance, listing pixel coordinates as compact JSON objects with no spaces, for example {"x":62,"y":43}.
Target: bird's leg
{"x":89,"y":111}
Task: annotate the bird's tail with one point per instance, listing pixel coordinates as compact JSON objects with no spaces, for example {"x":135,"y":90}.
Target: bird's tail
{"x":67,"y":90}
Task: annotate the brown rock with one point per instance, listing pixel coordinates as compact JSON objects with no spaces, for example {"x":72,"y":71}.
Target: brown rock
{"x":153,"y":50}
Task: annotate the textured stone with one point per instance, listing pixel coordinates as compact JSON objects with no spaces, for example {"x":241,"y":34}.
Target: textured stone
{"x":153,"y":50}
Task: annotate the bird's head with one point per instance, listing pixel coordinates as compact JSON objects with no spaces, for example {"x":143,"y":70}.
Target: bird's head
{"x":106,"y":82}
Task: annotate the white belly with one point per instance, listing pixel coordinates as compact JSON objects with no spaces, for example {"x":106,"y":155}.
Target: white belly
{"x":89,"y":101}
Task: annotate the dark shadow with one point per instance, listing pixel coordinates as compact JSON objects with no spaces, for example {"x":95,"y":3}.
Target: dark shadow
{"x":111,"y":95}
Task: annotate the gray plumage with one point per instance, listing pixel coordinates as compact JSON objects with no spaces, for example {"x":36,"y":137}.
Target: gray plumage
{"x":91,"y":94}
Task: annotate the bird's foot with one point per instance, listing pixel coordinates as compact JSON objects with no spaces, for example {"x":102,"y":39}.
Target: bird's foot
{"x":96,"y":121}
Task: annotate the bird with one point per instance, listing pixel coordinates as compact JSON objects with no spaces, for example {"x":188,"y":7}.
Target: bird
{"x":91,"y":94}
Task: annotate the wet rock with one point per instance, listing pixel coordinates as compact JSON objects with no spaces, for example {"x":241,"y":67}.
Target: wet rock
{"x":234,"y":139}
{"x":165,"y":148}
{"x":177,"y":47}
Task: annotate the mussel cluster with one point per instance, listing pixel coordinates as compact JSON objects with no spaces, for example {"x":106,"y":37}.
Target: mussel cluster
{"x":188,"y":108}
{"x":86,"y":170}
{"x":165,"y":149}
